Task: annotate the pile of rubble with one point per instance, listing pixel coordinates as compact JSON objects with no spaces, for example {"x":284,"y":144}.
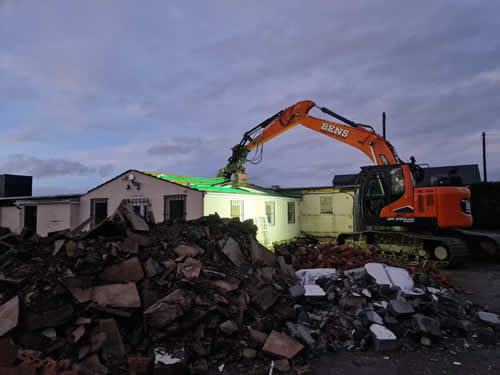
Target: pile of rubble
{"x":384,"y":306}
{"x":204,"y":296}
{"x":128,"y":297}
{"x":343,"y":257}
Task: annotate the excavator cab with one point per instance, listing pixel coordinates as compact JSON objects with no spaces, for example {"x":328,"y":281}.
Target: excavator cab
{"x":388,"y":196}
{"x":381,"y":186}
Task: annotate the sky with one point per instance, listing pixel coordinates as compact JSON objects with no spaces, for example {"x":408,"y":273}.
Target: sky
{"x":92,"y":88}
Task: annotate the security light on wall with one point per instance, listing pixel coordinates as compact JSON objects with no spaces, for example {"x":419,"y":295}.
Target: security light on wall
{"x":131,"y":177}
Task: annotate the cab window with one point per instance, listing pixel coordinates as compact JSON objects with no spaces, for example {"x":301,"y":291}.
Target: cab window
{"x":397,"y":182}
{"x":375,"y":186}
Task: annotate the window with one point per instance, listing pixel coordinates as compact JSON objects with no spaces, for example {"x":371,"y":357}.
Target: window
{"x":325,"y":205}
{"x":397,"y":182}
{"x":270,"y":213}
{"x":174,"y":207}
{"x":237,"y":210}
{"x":291,"y":212}
{"x":140,"y":205}
{"x":375,"y":188}
{"x":98,"y":210}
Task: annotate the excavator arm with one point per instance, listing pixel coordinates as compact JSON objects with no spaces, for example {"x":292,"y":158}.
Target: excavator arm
{"x":362,"y":137}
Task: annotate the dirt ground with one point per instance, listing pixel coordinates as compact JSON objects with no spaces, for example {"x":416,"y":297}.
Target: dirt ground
{"x":481,"y":282}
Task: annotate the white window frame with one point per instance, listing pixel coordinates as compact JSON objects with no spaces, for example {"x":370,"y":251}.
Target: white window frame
{"x":240,"y":204}
{"x":271,"y":219}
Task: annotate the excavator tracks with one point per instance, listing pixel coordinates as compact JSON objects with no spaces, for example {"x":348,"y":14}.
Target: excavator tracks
{"x":443,"y":251}
{"x":480,"y":243}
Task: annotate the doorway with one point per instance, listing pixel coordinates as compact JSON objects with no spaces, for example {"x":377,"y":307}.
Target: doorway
{"x":98,"y":210}
{"x":30,"y":214}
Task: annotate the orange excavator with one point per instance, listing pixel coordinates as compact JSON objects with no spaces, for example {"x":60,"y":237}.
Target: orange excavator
{"x":435,"y":217}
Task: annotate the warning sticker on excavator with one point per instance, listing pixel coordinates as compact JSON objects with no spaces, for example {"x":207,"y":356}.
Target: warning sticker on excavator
{"x":335,"y":130}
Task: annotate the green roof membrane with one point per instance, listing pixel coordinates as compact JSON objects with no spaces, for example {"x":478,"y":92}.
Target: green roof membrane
{"x":219,"y":184}
{"x":216,"y":185}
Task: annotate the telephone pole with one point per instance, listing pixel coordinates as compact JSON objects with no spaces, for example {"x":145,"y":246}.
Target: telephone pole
{"x":485,"y":175}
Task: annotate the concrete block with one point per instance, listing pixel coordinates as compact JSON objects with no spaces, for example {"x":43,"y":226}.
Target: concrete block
{"x":426,"y":325}
{"x":297,"y":291}
{"x":373,"y":317}
{"x":314,"y":291}
{"x":383,"y":338}
{"x":488,"y":318}
{"x":400,"y":308}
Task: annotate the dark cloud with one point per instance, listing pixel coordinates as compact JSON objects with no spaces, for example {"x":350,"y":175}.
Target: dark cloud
{"x":33,"y":166}
{"x":176,"y":146}
{"x":199,"y":76}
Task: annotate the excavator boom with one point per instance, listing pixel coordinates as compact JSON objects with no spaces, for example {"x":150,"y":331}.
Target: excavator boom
{"x":360,"y":136}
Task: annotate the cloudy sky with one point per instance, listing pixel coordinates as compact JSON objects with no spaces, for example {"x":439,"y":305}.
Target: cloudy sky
{"x":89,"y":89}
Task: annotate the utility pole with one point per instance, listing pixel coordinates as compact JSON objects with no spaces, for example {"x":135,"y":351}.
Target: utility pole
{"x":383,"y":124}
{"x":485,"y":175}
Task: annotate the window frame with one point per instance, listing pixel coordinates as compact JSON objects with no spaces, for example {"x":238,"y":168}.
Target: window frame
{"x":166,"y":205}
{"x":272,"y":215}
{"x":240,"y":203}
{"x":322,"y":210}
{"x":292,"y":219}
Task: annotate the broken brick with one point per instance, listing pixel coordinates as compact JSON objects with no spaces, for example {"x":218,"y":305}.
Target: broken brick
{"x":282,"y":346}
{"x":140,"y":365}
{"x":232,"y":250}
{"x":128,"y":270}
{"x":186,"y":251}
{"x":113,"y":346}
{"x":260,"y":254}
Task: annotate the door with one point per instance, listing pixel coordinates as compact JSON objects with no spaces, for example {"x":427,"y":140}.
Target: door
{"x":175,"y":207}
{"x":374,"y":194}
{"x":99,"y":210}
{"x":30,"y":214}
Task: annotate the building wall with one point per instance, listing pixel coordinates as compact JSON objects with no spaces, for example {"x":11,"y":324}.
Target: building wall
{"x":327,"y":225}
{"x":150,"y":187}
{"x":74,"y":215}
{"x":10,"y":217}
{"x":53,"y":217}
{"x":254,"y":207}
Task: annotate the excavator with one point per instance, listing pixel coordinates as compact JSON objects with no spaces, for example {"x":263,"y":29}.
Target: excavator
{"x":390,"y":212}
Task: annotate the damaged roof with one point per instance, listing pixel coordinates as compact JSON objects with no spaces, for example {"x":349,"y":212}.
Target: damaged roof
{"x":216,"y":185}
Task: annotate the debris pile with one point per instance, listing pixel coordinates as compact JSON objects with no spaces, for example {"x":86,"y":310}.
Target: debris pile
{"x":127,"y":297}
{"x":204,"y":296}
{"x":344,"y":257}
{"x":384,"y":307}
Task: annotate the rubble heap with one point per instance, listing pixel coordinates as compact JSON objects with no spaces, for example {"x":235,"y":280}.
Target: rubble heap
{"x":385,"y":307}
{"x":130,"y":297}
{"x":203,"y":296}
